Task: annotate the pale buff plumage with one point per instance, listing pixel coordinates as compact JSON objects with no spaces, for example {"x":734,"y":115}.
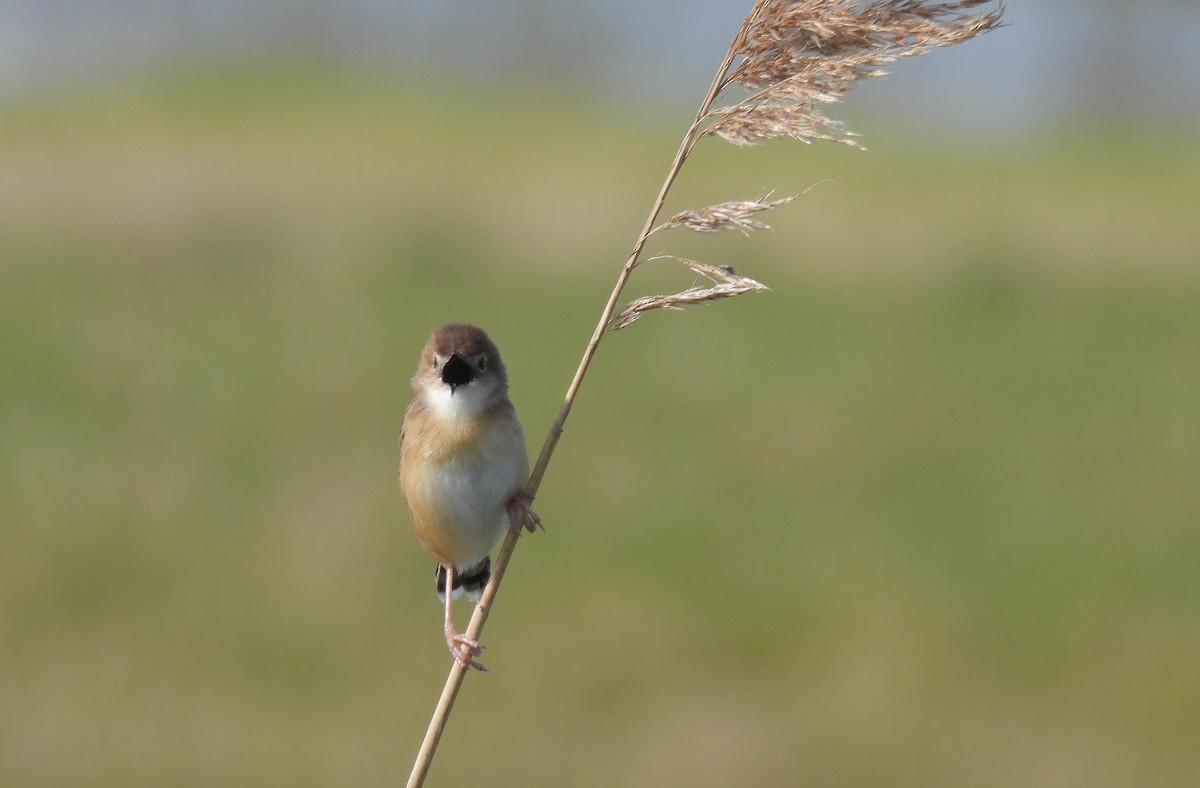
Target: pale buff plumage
{"x":457,"y":475}
{"x":463,"y":461}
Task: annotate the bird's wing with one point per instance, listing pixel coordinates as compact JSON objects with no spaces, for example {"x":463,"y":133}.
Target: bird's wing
{"x":400,"y":442}
{"x":400,"y":451}
{"x":412,"y":406}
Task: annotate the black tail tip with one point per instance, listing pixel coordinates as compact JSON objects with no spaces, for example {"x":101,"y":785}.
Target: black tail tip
{"x":469,"y":581}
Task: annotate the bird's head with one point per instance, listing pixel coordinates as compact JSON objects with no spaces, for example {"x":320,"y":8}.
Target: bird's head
{"x":461,"y":372}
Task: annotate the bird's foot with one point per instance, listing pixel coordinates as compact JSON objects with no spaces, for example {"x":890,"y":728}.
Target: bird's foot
{"x":464,"y":657}
{"x":520,"y":515}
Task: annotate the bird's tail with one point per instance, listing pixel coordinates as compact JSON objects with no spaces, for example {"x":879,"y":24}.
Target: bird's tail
{"x":469,"y":581}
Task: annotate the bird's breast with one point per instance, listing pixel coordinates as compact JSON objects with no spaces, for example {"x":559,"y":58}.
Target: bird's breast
{"x":457,"y":497}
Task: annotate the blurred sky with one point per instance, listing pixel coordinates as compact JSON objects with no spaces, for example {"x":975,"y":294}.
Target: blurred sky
{"x":1111,"y":61}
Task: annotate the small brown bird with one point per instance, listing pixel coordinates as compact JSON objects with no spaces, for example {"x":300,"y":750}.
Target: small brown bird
{"x":463,"y":466}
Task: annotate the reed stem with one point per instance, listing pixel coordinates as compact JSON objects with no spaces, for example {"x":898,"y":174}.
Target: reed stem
{"x":797,"y":56}
{"x":445,"y":704}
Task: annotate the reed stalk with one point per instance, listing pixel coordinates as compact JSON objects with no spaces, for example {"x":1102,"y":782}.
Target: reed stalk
{"x":789,"y":57}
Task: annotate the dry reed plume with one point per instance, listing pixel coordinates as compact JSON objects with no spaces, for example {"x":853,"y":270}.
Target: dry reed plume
{"x":788,"y":59}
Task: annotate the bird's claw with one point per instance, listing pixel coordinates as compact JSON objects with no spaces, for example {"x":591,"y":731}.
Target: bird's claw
{"x":520,"y":515}
{"x":465,"y":658}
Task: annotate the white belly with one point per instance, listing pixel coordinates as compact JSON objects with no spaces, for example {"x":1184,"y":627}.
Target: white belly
{"x":458,"y":505}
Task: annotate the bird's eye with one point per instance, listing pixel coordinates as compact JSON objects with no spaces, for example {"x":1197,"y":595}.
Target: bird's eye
{"x":482,"y":363}
{"x":435,"y":362}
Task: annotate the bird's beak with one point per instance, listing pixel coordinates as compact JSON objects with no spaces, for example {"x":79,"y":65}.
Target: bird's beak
{"x":456,"y":372}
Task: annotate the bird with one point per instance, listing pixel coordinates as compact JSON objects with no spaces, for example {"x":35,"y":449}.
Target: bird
{"x":463,"y":467}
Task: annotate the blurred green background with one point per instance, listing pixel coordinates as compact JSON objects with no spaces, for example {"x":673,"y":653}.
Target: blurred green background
{"x":925,"y":514}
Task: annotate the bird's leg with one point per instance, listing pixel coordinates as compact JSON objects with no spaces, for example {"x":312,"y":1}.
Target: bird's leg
{"x":454,"y":640}
{"x":520,"y":515}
